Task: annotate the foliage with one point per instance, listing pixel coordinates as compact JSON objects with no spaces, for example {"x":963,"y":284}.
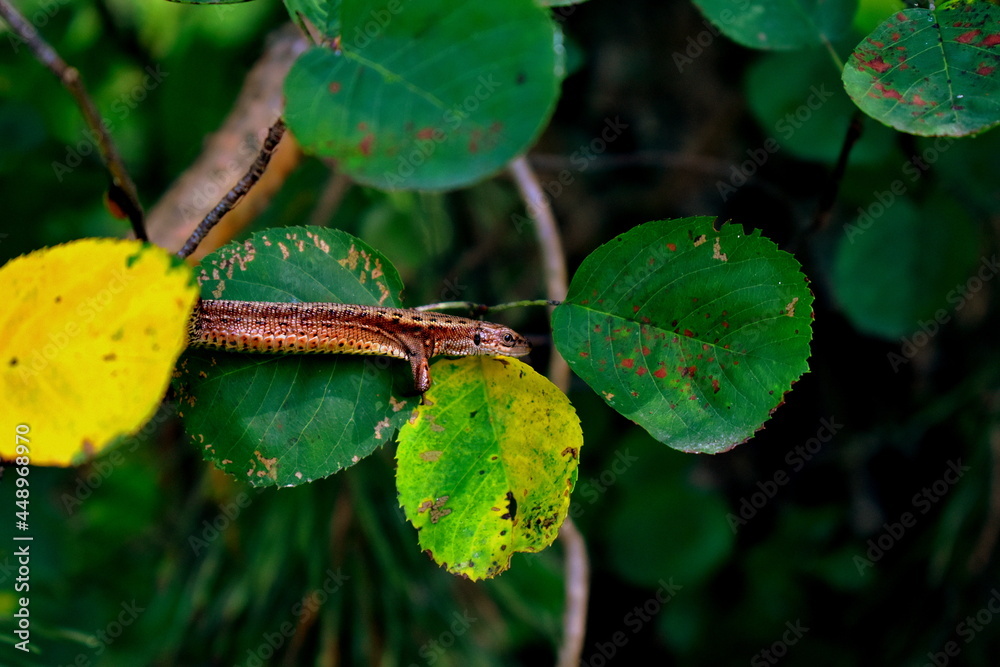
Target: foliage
{"x":870,"y":483}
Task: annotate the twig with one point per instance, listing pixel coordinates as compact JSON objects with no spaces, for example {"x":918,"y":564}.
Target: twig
{"x":550,"y":243}
{"x":122,"y":191}
{"x":229,"y":151}
{"x":329,"y":199}
{"x":828,"y":198}
{"x":480,"y":308}
{"x":233,"y":197}
{"x":577,"y":566}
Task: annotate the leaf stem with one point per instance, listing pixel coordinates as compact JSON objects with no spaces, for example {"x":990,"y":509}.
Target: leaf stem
{"x":480,"y":308}
{"x":833,"y":54}
{"x":232,"y":198}
{"x":122,"y":190}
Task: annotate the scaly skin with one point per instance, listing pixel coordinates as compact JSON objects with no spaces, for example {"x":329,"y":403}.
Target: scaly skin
{"x":338,"y":328}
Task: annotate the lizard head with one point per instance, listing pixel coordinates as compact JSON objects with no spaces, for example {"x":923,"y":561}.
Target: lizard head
{"x":493,"y":338}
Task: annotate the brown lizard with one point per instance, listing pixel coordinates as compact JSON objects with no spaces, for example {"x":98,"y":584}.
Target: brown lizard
{"x":414,"y":335}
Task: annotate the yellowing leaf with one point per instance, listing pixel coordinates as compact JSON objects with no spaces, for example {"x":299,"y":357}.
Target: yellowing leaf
{"x":90,"y":333}
{"x":487,"y":464}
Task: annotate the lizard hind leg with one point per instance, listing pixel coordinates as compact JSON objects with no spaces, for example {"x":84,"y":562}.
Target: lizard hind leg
{"x":421,"y":374}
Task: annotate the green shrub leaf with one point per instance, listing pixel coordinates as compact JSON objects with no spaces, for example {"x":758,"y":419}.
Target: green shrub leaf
{"x":288,"y":419}
{"x":428,"y":95}
{"x":780,"y":24}
{"x":694,"y":334}
{"x":487,"y":464}
{"x":931,"y":72}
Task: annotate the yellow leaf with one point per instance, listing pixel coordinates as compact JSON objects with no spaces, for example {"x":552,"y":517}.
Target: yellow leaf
{"x":487,"y":464}
{"x":90,"y":334}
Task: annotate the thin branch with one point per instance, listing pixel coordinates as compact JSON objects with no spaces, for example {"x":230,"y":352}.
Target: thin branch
{"x":550,"y":243}
{"x":242,"y":187}
{"x":577,"y":566}
{"x":330,"y":198}
{"x":122,"y":192}
{"x":480,"y":308}
{"x":824,"y":210}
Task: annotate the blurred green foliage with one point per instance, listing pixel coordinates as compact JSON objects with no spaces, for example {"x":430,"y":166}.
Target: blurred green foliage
{"x":186,"y":566}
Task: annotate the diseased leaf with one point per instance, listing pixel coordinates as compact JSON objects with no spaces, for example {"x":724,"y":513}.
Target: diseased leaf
{"x":780,"y":24}
{"x":427,"y":95}
{"x":486,"y":466}
{"x":289,"y":419}
{"x":931,"y":72}
{"x":91,"y":329}
{"x":693,"y":333}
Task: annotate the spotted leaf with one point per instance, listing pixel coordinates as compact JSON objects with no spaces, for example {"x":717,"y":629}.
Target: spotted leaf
{"x":487,"y":464}
{"x":931,"y":72}
{"x":693,"y":333}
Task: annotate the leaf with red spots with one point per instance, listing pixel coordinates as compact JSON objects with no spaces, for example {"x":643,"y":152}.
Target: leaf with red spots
{"x":774,"y":24}
{"x":429,"y":95}
{"x":931,"y":72}
{"x":721,"y":331}
{"x":289,"y":419}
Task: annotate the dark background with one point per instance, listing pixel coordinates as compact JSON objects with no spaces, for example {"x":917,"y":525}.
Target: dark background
{"x":217,"y":568}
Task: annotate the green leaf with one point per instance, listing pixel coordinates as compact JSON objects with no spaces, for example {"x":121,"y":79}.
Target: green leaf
{"x":692,"y":333}
{"x":487,"y":464}
{"x":685,"y":534}
{"x":323,"y":15}
{"x":798,"y":100}
{"x":428,"y":95}
{"x":779,"y":24}
{"x":900,"y":265}
{"x":930,"y":72}
{"x":289,"y":419}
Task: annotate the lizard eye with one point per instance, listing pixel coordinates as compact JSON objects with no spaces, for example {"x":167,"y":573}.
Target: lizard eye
{"x":508,"y":340}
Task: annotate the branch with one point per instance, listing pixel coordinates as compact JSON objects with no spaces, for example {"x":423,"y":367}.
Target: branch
{"x":242,"y":187}
{"x":550,"y":243}
{"x":229,"y":152}
{"x":122,"y":192}
{"x":577,"y":567}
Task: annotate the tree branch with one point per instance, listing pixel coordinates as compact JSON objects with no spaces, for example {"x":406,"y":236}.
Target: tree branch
{"x":232,"y":198}
{"x":577,"y":567}
{"x":122,"y":192}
